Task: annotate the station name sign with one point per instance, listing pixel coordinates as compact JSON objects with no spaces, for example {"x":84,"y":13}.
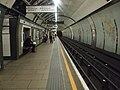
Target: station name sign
{"x":35,"y":9}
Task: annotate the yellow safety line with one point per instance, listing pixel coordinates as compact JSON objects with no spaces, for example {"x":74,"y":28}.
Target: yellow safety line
{"x":69,"y":72}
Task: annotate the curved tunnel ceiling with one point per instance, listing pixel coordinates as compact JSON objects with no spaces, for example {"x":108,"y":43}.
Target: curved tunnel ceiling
{"x":66,"y":7}
{"x":69,"y":11}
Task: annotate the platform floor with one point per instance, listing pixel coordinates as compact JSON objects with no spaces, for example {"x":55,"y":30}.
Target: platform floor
{"x":42,"y":70}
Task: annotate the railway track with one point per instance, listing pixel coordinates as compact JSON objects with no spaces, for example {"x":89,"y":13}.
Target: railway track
{"x":100,"y":71}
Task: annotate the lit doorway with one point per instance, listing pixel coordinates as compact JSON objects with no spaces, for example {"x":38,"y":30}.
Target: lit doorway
{"x":26,"y":33}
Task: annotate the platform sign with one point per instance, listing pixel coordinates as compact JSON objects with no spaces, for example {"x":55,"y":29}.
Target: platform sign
{"x":53,"y":22}
{"x":34,"y":9}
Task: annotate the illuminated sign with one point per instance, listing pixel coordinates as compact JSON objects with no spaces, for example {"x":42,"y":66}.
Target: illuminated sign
{"x":35,"y":9}
{"x":53,"y":22}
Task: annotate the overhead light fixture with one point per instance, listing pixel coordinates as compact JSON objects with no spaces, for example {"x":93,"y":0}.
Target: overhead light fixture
{"x":55,"y":16}
{"x":56,"y":2}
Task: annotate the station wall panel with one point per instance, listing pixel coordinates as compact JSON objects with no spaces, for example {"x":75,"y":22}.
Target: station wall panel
{"x":75,"y":29}
{"x":106,"y":27}
{"x":81,"y":32}
{"x":88,"y":7}
{"x":99,"y":31}
{"x":6,"y":37}
{"x":87,"y":31}
{"x":109,"y":29}
{"x":6,"y":44}
{"x":69,"y":33}
{"x":115,"y":10}
{"x":20,"y":43}
{"x":93,"y":31}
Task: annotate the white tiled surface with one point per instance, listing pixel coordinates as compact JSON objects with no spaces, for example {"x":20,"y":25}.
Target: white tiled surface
{"x":30,"y":72}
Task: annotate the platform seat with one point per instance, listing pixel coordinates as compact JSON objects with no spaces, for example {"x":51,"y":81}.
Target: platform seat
{"x":27,"y":49}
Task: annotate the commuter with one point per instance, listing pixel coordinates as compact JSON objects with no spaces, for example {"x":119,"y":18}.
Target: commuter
{"x":53,"y":37}
{"x":29,"y":43}
{"x":45,"y":38}
{"x":51,"y":41}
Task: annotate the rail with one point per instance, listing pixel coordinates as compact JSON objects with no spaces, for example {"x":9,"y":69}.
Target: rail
{"x":98,"y":73}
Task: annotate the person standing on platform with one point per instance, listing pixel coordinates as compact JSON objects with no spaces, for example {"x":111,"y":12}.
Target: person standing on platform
{"x":51,"y":41}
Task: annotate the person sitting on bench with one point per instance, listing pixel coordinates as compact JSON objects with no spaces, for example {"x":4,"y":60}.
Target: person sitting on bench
{"x":29,"y":43}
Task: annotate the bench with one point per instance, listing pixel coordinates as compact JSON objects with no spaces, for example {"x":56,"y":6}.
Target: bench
{"x":27,"y":49}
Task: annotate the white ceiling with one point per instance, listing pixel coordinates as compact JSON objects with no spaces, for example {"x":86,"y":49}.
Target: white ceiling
{"x":69,"y":11}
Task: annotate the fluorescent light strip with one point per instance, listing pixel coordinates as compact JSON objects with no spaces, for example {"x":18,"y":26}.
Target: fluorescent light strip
{"x":56,"y":2}
{"x":56,"y":17}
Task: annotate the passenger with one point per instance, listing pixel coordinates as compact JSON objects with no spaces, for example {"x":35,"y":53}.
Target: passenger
{"x":51,"y":41}
{"x":55,"y":35}
{"x":29,"y":43}
{"x":45,"y":38}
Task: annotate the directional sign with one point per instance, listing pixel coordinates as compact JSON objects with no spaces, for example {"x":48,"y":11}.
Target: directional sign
{"x":53,"y":22}
{"x":49,"y":8}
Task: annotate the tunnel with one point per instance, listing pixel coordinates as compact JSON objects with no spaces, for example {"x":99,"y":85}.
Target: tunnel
{"x":86,"y":32}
